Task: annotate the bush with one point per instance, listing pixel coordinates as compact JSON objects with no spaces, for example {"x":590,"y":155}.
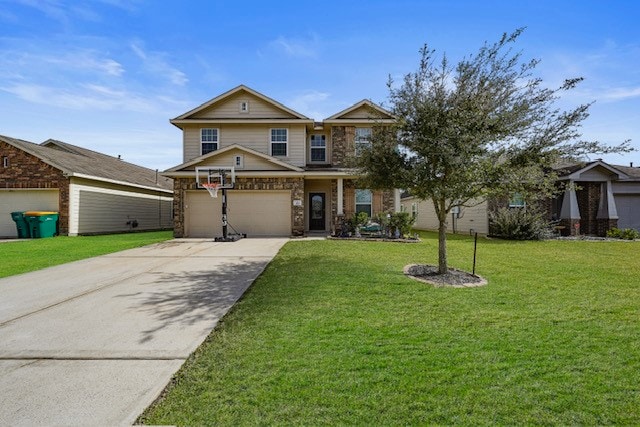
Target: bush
{"x":626,"y":234}
{"x":402,"y":221}
{"x":519,"y":224}
{"x":353,"y":224}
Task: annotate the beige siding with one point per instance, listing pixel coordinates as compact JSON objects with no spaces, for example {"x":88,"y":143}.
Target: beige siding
{"x":230,"y":108}
{"x":359,"y":113}
{"x":250,"y":162}
{"x":104,"y":208}
{"x":24,"y":200}
{"x":471,"y":218}
{"x":254,"y":136}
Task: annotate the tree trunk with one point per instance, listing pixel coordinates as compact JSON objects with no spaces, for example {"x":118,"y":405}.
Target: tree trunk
{"x":442,"y":247}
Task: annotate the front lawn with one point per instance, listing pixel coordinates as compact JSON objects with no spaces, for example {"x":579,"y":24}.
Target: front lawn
{"x":332,"y":333}
{"x":29,"y":255}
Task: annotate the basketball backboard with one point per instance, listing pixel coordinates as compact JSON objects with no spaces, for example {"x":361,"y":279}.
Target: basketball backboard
{"x":222,"y":176}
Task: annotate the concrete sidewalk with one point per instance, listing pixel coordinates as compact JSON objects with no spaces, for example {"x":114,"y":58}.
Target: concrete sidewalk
{"x":95,"y":341}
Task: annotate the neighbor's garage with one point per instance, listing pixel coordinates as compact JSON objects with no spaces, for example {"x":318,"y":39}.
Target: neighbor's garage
{"x":24,"y":200}
{"x":628,"y":207}
{"x":254,"y":213}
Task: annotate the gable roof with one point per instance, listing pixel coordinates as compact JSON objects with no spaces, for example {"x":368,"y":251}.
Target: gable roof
{"x":83,"y":163}
{"x":376,"y":112}
{"x":237,"y":89}
{"x":220,"y":152}
{"x":574,"y":171}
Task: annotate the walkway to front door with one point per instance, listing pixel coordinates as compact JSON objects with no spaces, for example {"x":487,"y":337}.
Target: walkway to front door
{"x":316,"y":211}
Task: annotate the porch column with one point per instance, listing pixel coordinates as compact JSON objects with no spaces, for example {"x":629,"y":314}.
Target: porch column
{"x":396,"y":200}
{"x":607,"y":208}
{"x":340,"y":197}
{"x":607,"y":217}
{"x":570,"y":214}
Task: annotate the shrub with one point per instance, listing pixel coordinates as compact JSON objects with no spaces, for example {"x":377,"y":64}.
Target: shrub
{"x":353,"y":224}
{"x":519,"y":224}
{"x":626,"y":233}
{"x":402,"y":221}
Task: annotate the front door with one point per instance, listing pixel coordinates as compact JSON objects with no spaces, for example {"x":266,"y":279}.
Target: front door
{"x":316,"y":211}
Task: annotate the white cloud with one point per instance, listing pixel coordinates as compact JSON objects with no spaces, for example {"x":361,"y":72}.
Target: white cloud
{"x":619,"y":93}
{"x":309,"y":103}
{"x":156,"y":64}
{"x":297,"y":48}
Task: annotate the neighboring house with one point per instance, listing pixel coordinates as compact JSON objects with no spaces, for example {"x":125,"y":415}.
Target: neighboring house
{"x":93,"y":193}
{"x":598,"y":197}
{"x":460,"y":220}
{"x":292,"y":175}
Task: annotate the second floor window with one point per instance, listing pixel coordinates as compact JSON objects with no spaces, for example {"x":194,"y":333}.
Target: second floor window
{"x":279,"y":139}
{"x":318,"y":148}
{"x":362,"y":139}
{"x":208,"y":140}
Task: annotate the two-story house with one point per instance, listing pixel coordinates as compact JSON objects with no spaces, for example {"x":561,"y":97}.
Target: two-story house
{"x":291,"y":173}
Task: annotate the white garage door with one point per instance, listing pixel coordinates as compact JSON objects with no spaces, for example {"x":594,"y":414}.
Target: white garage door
{"x":254,"y":213}
{"x":23,"y":200}
{"x":628,"y":207}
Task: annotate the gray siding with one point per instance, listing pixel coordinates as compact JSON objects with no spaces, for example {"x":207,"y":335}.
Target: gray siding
{"x":101,"y":212}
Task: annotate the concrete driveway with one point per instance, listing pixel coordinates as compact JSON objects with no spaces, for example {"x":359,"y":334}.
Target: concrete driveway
{"x":94,"y":342}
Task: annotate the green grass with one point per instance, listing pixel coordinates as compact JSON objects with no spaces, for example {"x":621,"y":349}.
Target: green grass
{"x":332,"y":333}
{"x":30,"y":255}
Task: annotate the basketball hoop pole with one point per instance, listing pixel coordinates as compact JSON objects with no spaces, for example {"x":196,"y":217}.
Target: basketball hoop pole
{"x":224,"y":214}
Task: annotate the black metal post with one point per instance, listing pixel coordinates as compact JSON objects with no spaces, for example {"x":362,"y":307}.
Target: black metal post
{"x":475,"y":246}
{"x":224,"y":214}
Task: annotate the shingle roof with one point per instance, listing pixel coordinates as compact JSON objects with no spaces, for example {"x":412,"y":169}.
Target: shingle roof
{"x":74,"y":160}
{"x":565,"y":169}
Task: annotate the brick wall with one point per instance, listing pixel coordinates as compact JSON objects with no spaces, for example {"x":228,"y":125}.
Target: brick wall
{"x":27,"y":171}
{"x":342,"y":145}
{"x":588,"y":196}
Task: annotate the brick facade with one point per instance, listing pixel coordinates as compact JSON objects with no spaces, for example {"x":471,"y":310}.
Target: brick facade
{"x":26,"y":171}
{"x":342,"y":145}
{"x":588,"y":195}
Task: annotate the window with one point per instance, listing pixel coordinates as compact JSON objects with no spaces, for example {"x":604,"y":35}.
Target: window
{"x":363,"y":201}
{"x":244,"y":106}
{"x":363,"y":139}
{"x":5,"y":162}
{"x":208,"y":140}
{"x":517,"y":201}
{"x":318,"y":148}
{"x":414,"y":209}
{"x":279,"y":142}
{"x":238,"y":161}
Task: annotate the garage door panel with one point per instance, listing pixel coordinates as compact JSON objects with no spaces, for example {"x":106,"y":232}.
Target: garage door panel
{"x":255,"y":213}
{"x":628,"y":207}
{"x":24,"y":200}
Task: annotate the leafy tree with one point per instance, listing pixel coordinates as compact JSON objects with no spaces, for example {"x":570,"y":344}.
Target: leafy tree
{"x":486,"y":127}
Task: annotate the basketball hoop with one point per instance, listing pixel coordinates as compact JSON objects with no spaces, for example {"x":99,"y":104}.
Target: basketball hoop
{"x":212,"y":188}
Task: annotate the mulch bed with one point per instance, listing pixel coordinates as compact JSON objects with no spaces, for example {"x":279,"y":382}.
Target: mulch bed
{"x":452,"y":279}
{"x":374,"y":239}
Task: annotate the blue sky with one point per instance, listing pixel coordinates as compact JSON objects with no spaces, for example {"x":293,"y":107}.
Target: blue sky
{"x":109,"y":74}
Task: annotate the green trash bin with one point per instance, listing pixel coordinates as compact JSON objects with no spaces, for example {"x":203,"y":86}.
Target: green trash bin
{"x":42,"y":224}
{"x":21,"y":225}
